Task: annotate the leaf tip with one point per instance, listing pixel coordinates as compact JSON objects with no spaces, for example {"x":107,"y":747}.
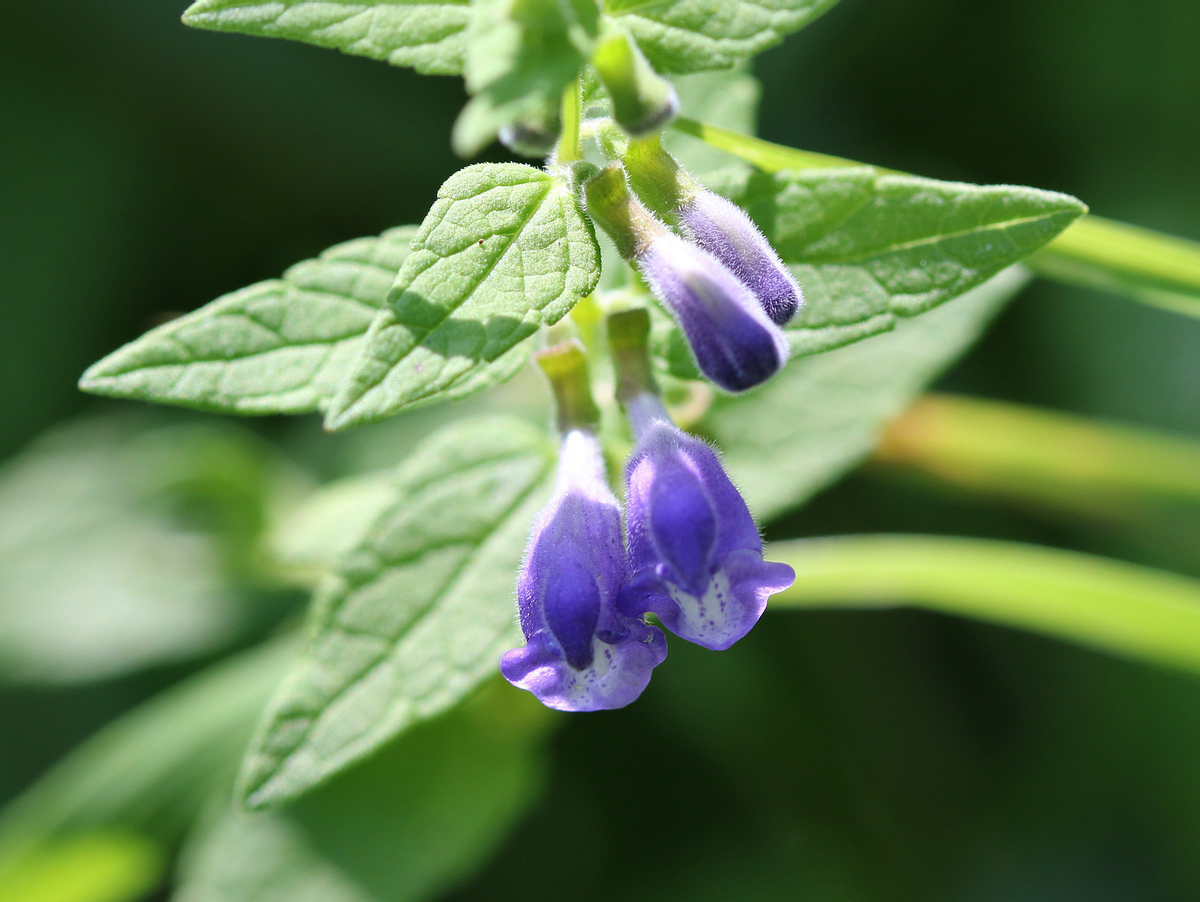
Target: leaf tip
{"x":95,"y":379}
{"x":192,"y":15}
{"x":254,"y":790}
{"x":1070,"y":203}
{"x":340,"y":415}
{"x":250,"y":799}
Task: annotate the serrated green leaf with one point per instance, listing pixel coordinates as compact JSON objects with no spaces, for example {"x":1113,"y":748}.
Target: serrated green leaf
{"x":424,"y":34}
{"x":442,"y":797}
{"x":417,"y":615}
{"x":520,"y":56}
{"x":504,"y":250}
{"x":823,"y":414}
{"x":280,"y":346}
{"x":691,"y":35}
{"x":871,"y":249}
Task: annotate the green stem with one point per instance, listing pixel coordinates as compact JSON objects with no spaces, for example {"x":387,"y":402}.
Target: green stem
{"x":570,"y":147}
{"x":1092,"y":252}
{"x":629,"y":345}
{"x":1127,"y":610}
{"x":1112,"y":256}
{"x":565,"y":365}
{"x":766,"y":155}
{"x":1043,"y":458}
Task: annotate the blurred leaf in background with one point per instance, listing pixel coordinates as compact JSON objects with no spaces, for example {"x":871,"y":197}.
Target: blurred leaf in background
{"x":123,"y":547}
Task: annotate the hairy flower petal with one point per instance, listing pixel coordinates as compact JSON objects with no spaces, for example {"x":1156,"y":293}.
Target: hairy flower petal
{"x":723,"y":229}
{"x":696,"y":554}
{"x":735,"y":344}
{"x":581,"y":653}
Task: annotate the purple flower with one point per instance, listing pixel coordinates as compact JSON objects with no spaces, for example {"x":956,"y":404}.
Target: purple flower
{"x":581,"y":654}
{"x":735,"y":344}
{"x":723,"y":229}
{"x":696,"y":553}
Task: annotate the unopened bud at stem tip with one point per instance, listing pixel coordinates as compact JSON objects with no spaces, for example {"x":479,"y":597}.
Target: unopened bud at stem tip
{"x":643,"y":101}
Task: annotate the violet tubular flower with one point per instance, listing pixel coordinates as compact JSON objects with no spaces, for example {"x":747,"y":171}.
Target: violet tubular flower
{"x":717,"y":225}
{"x":581,"y":653}
{"x":734,"y":342}
{"x":696,"y":554}
{"x":723,"y":229}
{"x":695,"y":551}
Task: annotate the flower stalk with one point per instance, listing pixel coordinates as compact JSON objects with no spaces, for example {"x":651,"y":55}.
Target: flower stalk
{"x":643,"y":102}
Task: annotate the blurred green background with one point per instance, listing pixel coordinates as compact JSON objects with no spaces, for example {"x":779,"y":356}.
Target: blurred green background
{"x":147,"y":168}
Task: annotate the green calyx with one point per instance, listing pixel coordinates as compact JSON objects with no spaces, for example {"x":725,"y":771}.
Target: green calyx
{"x":629,"y":343}
{"x":657,"y":178}
{"x":565,"y":365}
{"x":622,"y":216}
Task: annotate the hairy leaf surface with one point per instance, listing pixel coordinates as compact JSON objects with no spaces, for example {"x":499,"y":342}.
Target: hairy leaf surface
{"x":417,"y":615}
{"x":424,"y":34}
{"x":504,"y":250}
{"x":280,"y":346}
{"x":691,"y":35}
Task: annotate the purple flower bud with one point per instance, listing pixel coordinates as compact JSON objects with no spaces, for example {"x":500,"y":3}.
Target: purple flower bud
{"x":696,"y":553}
{"x":735,"y":344}
{"x":723,"y":229}
{"x":581,"y":654}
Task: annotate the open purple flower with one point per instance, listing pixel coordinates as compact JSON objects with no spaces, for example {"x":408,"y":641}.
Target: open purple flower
{"x":735,"y":344}
{"x":723,"y":229}
{"x":581,"y":653}
{"x":695,"y":550}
